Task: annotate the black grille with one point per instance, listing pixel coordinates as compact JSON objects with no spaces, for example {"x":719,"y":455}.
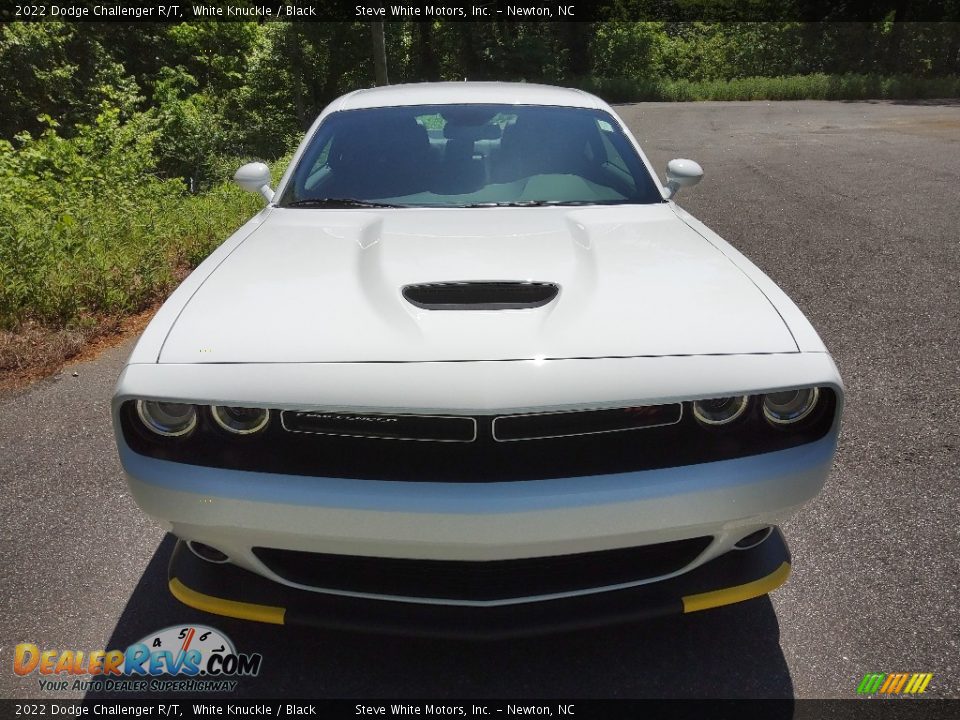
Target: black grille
{"x":565,"y":424}
{"x":481,"y":580}
{"x":480,"y":295}
{"x":377,"y":425}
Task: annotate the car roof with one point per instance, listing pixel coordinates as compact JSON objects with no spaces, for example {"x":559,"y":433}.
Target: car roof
{"x":454,"y":93}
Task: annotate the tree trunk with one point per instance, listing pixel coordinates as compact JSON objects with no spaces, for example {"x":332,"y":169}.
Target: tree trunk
{"x":469,"y":62}
{"x":379,"y":53}
{"x":292,"y":37}
{"x":894,"y":60}
{"x":427,"y":59}
{"x":577,"y":35}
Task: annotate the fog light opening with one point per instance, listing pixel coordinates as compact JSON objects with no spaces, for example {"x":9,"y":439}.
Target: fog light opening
{"x":753,"y":539}
{"x":205,"y":552}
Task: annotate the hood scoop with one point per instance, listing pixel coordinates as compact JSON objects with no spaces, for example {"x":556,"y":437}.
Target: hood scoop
{"x":494,"y":295}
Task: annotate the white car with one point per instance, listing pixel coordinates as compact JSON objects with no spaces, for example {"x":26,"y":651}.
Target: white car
{"x":472,"y":371}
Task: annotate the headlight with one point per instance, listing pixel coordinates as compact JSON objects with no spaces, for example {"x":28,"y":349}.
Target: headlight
{"x":720,"y":411}
{"x":167,"y":418}
{"x":790,"y":406}
{"x":240,"y":420}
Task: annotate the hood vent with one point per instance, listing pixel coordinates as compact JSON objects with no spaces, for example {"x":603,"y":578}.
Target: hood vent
{"x":501,"y":295}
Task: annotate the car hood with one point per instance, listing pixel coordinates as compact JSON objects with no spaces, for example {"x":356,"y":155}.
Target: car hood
{"x":326,"y":286}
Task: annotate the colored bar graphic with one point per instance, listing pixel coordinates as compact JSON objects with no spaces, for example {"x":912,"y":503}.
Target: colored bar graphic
{"x":901,"y":681}
{"x":894,"y":683}
{"x":870,"y":683}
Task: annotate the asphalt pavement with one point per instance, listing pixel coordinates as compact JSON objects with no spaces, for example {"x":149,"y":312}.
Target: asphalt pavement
{"x":853,"y":209}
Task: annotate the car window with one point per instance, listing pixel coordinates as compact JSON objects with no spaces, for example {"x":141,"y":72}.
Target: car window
{"x":466,"y":155}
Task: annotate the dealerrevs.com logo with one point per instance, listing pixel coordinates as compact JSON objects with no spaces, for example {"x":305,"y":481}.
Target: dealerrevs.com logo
{"x":894,"y":683}
{"x":185,"y":658}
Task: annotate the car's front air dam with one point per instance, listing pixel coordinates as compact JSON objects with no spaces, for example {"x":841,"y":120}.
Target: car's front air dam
{"x":229,"y":590}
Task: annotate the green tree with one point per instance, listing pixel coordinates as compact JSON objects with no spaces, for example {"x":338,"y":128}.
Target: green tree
{"x":59,"y":70}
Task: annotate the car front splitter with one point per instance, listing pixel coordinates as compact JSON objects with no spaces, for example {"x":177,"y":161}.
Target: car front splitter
{"x":225,"y":589}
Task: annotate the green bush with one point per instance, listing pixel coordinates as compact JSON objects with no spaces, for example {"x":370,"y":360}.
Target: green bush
{"x":88,"y":230}
{"x":816,"y":86}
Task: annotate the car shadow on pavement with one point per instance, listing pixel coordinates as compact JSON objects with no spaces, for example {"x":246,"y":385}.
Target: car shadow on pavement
{"x":732,"y":651}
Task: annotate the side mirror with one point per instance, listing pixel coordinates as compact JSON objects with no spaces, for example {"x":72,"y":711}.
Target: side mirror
{"x":254,"y":177}
{"x":682,"y":173}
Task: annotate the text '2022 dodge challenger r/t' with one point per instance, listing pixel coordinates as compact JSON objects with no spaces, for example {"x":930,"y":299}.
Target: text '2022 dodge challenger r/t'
{"x":472,"y":371}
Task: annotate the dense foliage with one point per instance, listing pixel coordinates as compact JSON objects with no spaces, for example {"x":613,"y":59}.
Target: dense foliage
{"x":227,"y":89}
{"x":115,"y":139}
{"x":90,"y":230}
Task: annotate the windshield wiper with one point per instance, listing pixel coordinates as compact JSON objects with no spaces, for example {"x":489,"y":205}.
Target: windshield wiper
{"x":515,"y":203}
{"x":544,"y":203}
{"x":337,"y":203}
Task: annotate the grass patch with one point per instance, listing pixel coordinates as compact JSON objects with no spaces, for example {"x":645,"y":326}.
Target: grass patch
{"x":792,"y":87}
{"x":69,"y":263}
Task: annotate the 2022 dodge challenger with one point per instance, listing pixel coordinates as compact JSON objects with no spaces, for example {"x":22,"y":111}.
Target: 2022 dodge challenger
{"x":472,"y":371}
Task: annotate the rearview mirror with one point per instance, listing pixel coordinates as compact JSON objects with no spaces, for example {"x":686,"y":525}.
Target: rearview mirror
{"x":682,"y":173}
{"x":255,"y":177}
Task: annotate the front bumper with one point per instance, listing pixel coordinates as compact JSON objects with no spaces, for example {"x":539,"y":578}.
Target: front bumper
{"x":236,"y":512}
{"x":228,"y":590}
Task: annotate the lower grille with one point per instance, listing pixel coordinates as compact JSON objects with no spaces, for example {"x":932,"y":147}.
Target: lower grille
{"x":481,"y":580}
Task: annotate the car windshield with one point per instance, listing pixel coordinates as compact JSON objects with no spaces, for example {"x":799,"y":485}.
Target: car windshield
{"x":469,"y":156}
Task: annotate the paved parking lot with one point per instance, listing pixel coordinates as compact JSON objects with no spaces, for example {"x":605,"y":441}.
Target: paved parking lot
{"x":854,"y":209}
